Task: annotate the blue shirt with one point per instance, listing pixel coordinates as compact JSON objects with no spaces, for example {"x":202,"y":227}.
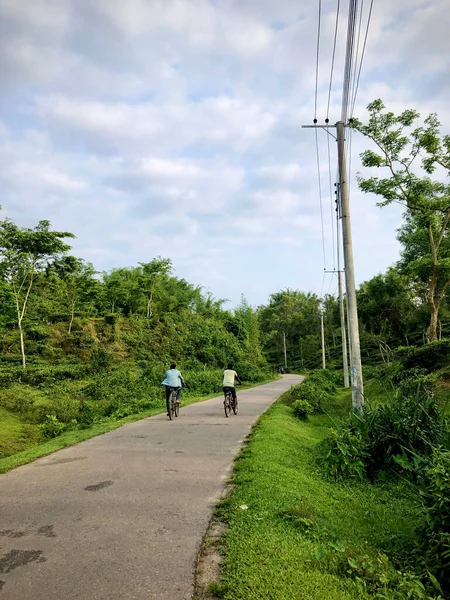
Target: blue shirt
{"x":173,"y":378}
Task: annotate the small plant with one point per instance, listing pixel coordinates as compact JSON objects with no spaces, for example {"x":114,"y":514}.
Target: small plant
{"x":51,"y":427}
{"x":346,"y":453}
{"x":302,"y":408}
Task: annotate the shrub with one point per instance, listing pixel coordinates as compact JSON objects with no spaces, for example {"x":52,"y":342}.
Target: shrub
{"x":403,"y":424}
{"x":51,"y":427}
{"x":302,"y":409}
{"x":431,"y":357}
{"x":314,"y":395}
{"x":433,"y":478}
{"x":19,"y":398}
{"x":346,"y":453}
{"x":101,"y":359}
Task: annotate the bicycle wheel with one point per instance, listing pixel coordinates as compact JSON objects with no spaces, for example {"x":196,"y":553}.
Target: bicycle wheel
{"x":172,"y":405}
{"x":176,"y":410}
{"x":227,"y":404}
{"x":235,"y":406}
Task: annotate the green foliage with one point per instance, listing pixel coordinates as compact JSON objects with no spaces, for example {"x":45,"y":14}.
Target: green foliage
{"x":302,"y":408}
{"x":433,"y":480}
{"x":270,"y":549}
{"x":430,"y":357}
{"x":51,"y":427}
{"x":315,"y":393}
{"x":399,"y":145}
{"x":101,"y":359}
{"x":346,"y":454}
{"x":376,"y":436}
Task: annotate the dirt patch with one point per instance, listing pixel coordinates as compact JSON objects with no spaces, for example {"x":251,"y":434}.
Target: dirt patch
{"x":47,"y":531}
{"x":98,"y":486}
{"x":19,"y":558}
{"x":12,"y":533}
{"x":2,"y":583}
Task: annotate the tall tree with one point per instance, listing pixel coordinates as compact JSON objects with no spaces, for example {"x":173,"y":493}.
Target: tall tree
{"x":151,"y":273}
{"x":408,"y":161}
{"x":74,"y":282}
{"x":24,"y":252}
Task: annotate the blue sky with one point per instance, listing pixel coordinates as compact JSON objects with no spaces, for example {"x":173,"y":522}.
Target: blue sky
{"x":173,"y":128}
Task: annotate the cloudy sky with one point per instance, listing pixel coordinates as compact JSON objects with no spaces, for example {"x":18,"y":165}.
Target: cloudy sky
{"x":173,"y":128}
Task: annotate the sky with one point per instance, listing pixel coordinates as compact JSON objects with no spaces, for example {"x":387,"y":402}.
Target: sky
{"x":174,"y":128}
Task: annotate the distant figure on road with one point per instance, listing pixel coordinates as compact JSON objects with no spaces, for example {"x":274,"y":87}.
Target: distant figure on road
{"x":229,"y":377}
{"x":281,"y":370}
{"x":173,"y":381}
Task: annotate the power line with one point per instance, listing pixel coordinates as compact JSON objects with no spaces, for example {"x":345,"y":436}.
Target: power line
{"x":323,"y":281}
{"x":356,"y":52}
{"x":348,"y":58}
{"x":331,"y":281}
{"x":317,"y":60}
{"x":332,"y":59}
{"x":331,"y":204}
{"x":320,"y":199}
{"x":362,"y":57}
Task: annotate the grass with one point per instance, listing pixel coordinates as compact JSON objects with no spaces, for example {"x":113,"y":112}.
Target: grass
{"x":15,"y":435}
{"x":294,"y":514}
{"x":20,"y":438}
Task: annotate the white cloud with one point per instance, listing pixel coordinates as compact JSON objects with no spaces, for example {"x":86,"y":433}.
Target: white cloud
{"x":173,"y":127}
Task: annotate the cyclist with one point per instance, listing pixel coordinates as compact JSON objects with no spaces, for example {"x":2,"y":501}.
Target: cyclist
{"x":173,"y":381}
{"x":229,"y":377}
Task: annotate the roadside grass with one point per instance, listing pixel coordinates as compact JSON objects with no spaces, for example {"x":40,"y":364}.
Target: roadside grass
{"x":15,"y":436}
{"x":294,"y":515}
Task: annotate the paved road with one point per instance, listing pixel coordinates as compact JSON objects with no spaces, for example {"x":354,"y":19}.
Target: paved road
{"x":121,"y":516}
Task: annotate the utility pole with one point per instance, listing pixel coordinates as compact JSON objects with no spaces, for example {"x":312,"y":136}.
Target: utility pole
{"x":324,"y":364}
{"x":352,"y":310}
{"x":285,"y":353}
{"x":344,"y":336}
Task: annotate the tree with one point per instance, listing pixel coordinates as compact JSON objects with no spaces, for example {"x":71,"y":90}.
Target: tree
{"x":292,"y":316}
{"x":24,"y":253}
{"x":427,"y":202}
{"x":76,"y":279}
{"x":150,"y":274}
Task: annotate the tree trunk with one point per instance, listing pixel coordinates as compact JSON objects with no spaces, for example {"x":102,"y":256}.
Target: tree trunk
{"x":432,"y":328}
{"x":71,"y":319}
{"x":22,"y":347}
{"x":434,"y":309}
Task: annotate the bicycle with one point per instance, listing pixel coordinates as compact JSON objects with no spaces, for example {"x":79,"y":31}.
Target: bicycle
{"x":173,"y":408}
{"x":229,"y":404}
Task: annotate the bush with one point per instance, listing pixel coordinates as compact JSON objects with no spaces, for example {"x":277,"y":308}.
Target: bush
{"x":302,"y":409}
{"x":20,"y":398}
{"x":433,"y":478}
{"x":430,"y":357}
{"x":51,"y":427}
{"x":378,"y":435}
{"x":346,"y":453}
{"x":313,"y":391}
{"x":101,"y":359}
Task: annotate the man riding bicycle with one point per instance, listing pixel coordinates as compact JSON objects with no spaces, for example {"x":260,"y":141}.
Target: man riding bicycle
{"x":229,"y":377}
{"x":173,"y":381}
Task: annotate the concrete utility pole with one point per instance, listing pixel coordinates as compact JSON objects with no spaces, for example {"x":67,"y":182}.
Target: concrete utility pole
{"x":285,"y":353}
{"x":324,"y":364}
{"x":352,"y":310}
{"x":344,"y":333}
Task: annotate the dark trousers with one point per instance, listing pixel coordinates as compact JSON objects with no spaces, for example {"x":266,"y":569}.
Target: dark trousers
{"x":169,"y":391}
{"x":230,"y":389}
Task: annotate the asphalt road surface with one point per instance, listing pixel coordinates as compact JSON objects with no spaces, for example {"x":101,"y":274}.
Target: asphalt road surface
{"x":121,"y":516}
